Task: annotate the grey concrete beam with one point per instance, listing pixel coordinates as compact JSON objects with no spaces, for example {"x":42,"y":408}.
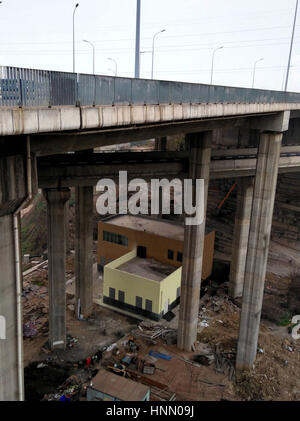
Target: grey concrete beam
{"x":56,"y":200}
{"x":84,"y":251}
{"x":274,"y":123}
{"x":200,"y":154}
{"x":55,"y":175}
{"x":29,"y":120}
{"x":60,"y":142}
{"x":258,"y":247}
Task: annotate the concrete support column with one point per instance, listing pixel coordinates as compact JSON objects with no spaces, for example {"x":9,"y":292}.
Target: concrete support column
{"x":56,"y":200}
{"x":84,"y":251}
{"x":67,"y":205}
{"x":200,"y":154}
{"x":240,"y":236}
{"x":161,"y":144}
{"x":258,"y":247}
{"x":11,"y":355}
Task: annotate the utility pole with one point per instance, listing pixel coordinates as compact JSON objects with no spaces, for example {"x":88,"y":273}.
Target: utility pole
{"x":137,"y":39}
{"x":291,"y":49}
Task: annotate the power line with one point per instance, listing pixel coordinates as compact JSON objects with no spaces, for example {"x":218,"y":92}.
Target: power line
{"x":165,"y":49}
{"x":173,"y":45}
{"x":197,"y":21}
{"x":225,"y":70}
{"x":150,"y":38}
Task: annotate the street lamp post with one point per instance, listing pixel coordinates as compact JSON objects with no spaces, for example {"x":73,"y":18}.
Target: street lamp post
{"x":154,"y":36}
{"x":212,"y":63}
{"x":116,"y":65}
{"x":76,"y":5}
{"x":93,"y":47}
{"x":291,"y":49}
{"x":254,"y":69}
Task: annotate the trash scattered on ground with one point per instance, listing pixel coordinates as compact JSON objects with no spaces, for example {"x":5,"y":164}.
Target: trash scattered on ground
{"x":204,"y":359}
{"x":29,"y":329}
{"x":42,"y":365}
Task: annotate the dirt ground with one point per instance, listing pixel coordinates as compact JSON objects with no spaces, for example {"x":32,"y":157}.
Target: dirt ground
{"x":276,"y":375}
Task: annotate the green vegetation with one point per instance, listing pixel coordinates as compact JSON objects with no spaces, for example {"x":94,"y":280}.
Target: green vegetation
{"x":285,"y":319}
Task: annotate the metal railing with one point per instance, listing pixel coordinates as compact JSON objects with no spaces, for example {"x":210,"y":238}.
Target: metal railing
{"x":31,"y":88}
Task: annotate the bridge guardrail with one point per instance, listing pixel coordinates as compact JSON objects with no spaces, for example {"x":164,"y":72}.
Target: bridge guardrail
{"x":29,"y":87}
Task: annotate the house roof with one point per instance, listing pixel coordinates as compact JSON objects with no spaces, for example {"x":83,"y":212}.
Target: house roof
{"x":150,"y":225}
{"x":147,"y":268}
{"x":119,"y":387}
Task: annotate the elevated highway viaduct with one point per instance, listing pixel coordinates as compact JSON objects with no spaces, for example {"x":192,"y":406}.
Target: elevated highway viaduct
{"x":44,"y":115}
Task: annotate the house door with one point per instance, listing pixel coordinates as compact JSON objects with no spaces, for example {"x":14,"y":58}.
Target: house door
{"x":141,"y":252}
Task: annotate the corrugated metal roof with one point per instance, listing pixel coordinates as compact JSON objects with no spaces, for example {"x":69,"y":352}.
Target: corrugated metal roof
{"x":119,"y":387}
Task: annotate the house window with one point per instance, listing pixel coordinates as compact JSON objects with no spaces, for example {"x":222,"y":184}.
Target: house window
{"x":112,"y":237}
{"x":149,"y":305}
{"x":179,"y":256}
{"x":112,"y":293}
{"x":170,"y":254}
{"x":122,"y":296}
{"x":139,"y":302}
{"x":178,"y":292}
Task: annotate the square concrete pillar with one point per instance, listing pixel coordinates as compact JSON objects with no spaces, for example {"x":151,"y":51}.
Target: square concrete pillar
{"x":160,"y":144}
{"x":258,"y":247}
{"x":200,"y":154}
{"x":240,"y":236}
{"x":11,"y":350}
{"x":56,"y":209}
{"x":84,"y":251}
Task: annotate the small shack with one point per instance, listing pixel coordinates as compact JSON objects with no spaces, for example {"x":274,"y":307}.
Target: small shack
{"x":107,"y":386}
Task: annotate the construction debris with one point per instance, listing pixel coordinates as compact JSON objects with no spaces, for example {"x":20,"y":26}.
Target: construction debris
{"x":224,"y":362}
{"x":29,"y":329}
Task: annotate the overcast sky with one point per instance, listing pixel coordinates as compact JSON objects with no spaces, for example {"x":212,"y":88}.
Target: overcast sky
{"x":38,"y":34}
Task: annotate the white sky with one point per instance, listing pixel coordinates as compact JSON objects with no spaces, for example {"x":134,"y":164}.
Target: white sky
{"x":38,"y":34}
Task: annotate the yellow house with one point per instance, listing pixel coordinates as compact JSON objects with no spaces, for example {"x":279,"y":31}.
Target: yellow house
{"x":141,"y":258}
{"x":154,"y":238}
{"x":143,"y":286}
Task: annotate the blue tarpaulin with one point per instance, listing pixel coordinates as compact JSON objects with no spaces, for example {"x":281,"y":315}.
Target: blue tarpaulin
{"x":159,"y":355}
